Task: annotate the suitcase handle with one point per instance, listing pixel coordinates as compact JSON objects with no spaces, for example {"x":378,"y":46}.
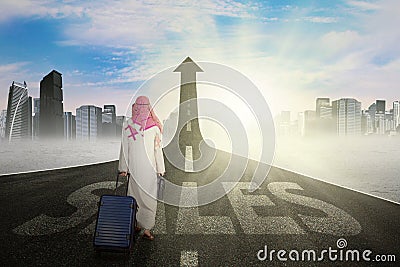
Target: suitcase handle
{"x":116,"y":184}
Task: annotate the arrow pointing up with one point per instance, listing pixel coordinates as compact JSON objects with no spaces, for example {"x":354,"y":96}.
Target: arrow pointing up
{"x":188,"y":70}
{"x":188,"y":65}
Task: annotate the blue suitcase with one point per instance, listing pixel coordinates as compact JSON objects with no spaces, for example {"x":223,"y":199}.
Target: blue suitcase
{"x":115,"y":223}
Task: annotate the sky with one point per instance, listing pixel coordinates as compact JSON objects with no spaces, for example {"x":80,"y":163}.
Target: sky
{"x":293,"y":51}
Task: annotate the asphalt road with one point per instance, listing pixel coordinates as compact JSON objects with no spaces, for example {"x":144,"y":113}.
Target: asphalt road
{"x":47,"y":220}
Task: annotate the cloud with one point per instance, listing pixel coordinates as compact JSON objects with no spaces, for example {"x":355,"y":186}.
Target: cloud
{"x":363,"y":5}
{"x":307,"y":64}
{"x":152,"y":35}
{"x":10,"y":9}
{"x":11,"y":68}
{"x":135,"y":23}
{"x":321,"y":19}
{"x":9,"y":73}
{"x":336,"y":43}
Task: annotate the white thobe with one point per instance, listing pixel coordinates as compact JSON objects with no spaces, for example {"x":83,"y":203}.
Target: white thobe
{"x":141,"y":155}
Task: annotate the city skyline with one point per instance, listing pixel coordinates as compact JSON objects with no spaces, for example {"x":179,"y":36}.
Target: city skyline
{"x":388,"y":105}
{"x":341,"y":117}
{"x":36,"y":107}
{"x":373,"y":120}
{"x":44,"y":118}
{"x":53,"y":93}
{"x":287,"y":48}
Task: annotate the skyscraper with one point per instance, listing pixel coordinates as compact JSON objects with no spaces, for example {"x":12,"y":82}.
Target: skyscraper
{"x":19,"y":113}
{"x":380,"y":123}
{"x":306,"y":122}
{"x":120,"y":122}
{"x":51,"y":106}
{"x":323,"y":113}
{"x":389,"y":122}
{"x":396,"y":113}
{"x":36,"y":111}
{"x":88,"y":122}
{"x":109,"y":121}
{"x":321,"y":102}
{"x":347,"y":116}
{"x":69,"y":126}
{"x":380,"y":106}
{"x":366,"y":123}
{"x":3,"y":119}
{"x":372,"y":113}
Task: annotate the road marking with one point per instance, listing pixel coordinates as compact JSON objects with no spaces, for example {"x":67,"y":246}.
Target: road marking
{"x":189,"y":126}
{"x":190,"y":222}
{"x":189,"y":159}
{"x":338,"y":222}
{"x":82,"y":199}
{"x":189,"y":258}
{"x":248,"y":218}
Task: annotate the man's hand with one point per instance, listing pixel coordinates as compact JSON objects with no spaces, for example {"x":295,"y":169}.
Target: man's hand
{"x":161,"y":173}
{"x":122,"y":173}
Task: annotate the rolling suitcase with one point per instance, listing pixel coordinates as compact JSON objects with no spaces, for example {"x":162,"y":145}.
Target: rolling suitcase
{"x":115,"y":223}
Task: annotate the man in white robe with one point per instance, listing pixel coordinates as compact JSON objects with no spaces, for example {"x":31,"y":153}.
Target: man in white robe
{"x":141,"y":155}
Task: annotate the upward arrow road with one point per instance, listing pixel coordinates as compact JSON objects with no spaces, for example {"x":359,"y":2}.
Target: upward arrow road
{"x":189,"y":134}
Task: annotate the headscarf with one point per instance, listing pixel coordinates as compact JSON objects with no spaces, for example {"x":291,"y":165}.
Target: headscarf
{"x":144,"y":115}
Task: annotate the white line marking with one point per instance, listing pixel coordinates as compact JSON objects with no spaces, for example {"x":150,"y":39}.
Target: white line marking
{"x":251,"y":222}
{"x":189,"y":159}
{"x":189,"y":220}
{"x":337,"y":222}
{"x":189,"y":126}
{"x":189,"y":258}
